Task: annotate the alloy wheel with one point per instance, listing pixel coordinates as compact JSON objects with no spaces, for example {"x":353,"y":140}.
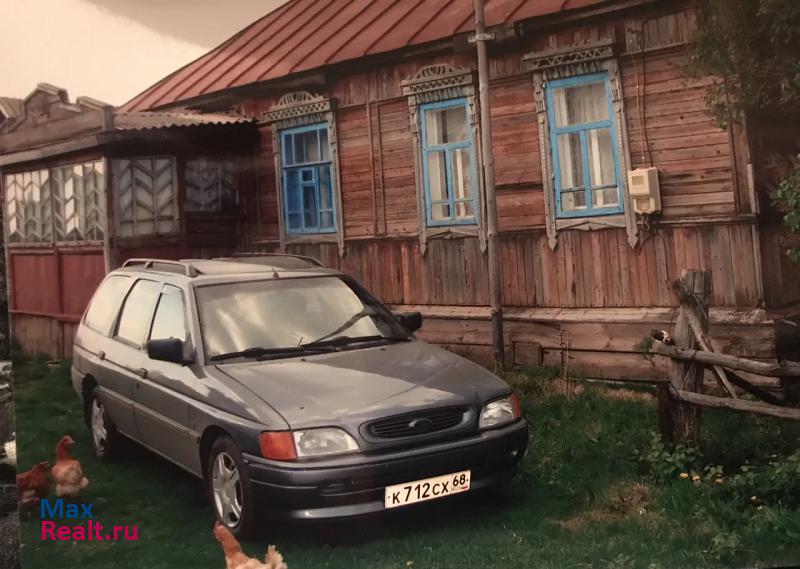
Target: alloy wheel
{"x":99,"y":431}
{"x":227,"y":489}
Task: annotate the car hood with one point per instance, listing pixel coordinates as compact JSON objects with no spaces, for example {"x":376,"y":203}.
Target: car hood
{"x":354,"y":385}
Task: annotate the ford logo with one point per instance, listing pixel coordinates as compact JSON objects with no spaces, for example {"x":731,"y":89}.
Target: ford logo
{"x":421,"y":426}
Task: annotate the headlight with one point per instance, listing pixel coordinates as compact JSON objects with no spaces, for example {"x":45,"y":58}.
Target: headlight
{"x":322,"y":442}
{"x":500,"y":412}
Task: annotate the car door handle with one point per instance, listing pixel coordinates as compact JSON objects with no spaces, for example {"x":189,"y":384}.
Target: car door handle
{"x":141,"y":372}
{"x":101,"y":355}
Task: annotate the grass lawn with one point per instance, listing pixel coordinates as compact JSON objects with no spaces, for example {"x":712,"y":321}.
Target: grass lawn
{"x":582,"y":499}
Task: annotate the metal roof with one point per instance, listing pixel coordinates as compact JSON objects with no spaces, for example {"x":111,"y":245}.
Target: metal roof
{"x":302,"y":35}
{"x":143,"y":120}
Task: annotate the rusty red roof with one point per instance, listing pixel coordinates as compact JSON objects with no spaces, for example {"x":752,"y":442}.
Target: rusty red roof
{"x":302,"y":35}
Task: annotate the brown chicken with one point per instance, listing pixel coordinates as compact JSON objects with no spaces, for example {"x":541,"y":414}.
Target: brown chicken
{"x":235,"y":559}
{"x":33,"y":485}
{"x":67,"y":472}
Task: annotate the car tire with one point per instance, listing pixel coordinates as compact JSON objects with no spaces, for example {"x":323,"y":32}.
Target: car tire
{"x":105,"y":438}
{"x":229,"y":488}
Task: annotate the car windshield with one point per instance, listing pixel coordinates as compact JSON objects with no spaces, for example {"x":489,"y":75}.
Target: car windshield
{"x":257,"y":317}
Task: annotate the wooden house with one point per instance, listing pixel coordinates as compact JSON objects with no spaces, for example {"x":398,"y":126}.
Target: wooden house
{"x":364,"y":151}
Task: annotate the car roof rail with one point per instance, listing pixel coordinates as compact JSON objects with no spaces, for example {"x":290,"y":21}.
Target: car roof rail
{"x":186,"y":268}
{"x":233,"y":256}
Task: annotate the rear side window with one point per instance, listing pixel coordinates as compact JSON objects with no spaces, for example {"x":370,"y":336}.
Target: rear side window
{"x":137,"y":311}
{"x":105,"y":303}
{"x":170,"y":319}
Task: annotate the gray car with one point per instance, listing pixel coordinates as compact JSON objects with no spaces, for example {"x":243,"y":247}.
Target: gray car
{"x":289,"y":389}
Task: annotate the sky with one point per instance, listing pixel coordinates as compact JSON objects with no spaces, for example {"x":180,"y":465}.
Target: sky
{"x":111,"y":49}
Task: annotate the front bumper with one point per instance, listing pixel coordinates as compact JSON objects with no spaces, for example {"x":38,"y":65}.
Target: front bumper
{"x":354,"y":485}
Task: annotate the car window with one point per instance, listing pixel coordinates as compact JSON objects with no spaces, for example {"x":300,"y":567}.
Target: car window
{"x":286,"y":313}
{"x":137,"y":312}
{"x":105,"y":303}
{"x":170,"y":320}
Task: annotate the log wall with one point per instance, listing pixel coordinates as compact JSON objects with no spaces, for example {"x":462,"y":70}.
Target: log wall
{"x":708,"y":219}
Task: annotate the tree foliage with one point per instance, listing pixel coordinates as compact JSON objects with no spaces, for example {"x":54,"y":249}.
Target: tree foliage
{"x":753,"y":46}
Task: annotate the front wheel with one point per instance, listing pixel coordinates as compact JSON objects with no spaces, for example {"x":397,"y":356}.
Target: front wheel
{"x":229,"y":487}
{"x":105,"y":438}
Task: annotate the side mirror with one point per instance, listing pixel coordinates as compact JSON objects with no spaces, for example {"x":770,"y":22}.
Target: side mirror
{"x":168,"y":350}
{"x":411,"y":320}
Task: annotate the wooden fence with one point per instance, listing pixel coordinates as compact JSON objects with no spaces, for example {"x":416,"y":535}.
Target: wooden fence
{"x":691,"y":354}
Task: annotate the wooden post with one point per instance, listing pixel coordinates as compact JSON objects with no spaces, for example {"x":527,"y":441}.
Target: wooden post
{"x":495,"y":283}
{"x":684,"y":418}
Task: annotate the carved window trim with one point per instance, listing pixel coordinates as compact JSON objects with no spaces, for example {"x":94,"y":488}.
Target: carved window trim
{"x":432,"y":84}
{"x":296,"y":109}
{"x":584,"y":60}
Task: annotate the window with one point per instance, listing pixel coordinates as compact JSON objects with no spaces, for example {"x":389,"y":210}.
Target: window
{"x":284,"y":313}
{"x":584,"y":146}
{"x":145,"y":195}
{"x":105,"y":303}
{"x":170,"y":319}
{"x":308,"y":193}
{"x":448,"y":163}
{"x":210,"y":185}
{"x":65,"y":204}
{"x":137,"y":312}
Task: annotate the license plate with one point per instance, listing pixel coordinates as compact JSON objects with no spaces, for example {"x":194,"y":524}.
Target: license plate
{"x":426,"y":489}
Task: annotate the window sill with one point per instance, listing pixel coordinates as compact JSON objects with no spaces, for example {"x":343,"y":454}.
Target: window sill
{"x":591,"y":223}
{"x":309,"y":238}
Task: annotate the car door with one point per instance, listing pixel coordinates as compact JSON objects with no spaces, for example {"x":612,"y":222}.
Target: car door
{"x":163,"y":392}
{"x":124,"y":355}
{"x":93,"y":344}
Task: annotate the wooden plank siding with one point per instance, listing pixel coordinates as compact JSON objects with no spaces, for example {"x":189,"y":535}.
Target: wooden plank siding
{"x":707,"y":220}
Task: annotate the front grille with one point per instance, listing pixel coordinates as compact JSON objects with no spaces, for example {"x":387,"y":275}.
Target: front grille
{"x":416,"y":424}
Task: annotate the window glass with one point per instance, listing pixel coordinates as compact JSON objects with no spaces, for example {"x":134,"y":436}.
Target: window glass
{"x":570,"y":161}
{"x":445,"y":126}
{"x":284,"y":313}
{"x":580,"y":104}
{"x":145,"y":193}
{"x":437,"y":185}
{"x":105,"y":303}
{"x":137,"y":312}
{"x":601,"y":157}
{"x":170,"y":319}
{"x":211,"y":184}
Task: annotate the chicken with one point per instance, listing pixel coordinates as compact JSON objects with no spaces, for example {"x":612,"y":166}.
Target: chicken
{"x":10,"y":453}
{"x":67,"y":472}
{"x":33,"y":485}
{"x":235,"y":559}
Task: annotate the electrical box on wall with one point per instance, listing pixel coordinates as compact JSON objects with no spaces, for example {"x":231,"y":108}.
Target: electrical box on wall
{"x":644,"y":190}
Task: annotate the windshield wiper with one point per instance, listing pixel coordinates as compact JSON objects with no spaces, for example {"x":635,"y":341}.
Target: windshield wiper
{"x":347,"y":340}
{"x":258,"y":352}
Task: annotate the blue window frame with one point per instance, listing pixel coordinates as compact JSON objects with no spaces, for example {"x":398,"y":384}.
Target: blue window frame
{"x":448,"y":163}
{"x":308,"y":185}
{"x":583,"y":143}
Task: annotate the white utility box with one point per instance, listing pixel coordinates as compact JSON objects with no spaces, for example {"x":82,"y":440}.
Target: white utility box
{"x":644,"y":190}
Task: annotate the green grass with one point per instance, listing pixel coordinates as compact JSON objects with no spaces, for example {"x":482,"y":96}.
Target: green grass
{"x":576,"y":502}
